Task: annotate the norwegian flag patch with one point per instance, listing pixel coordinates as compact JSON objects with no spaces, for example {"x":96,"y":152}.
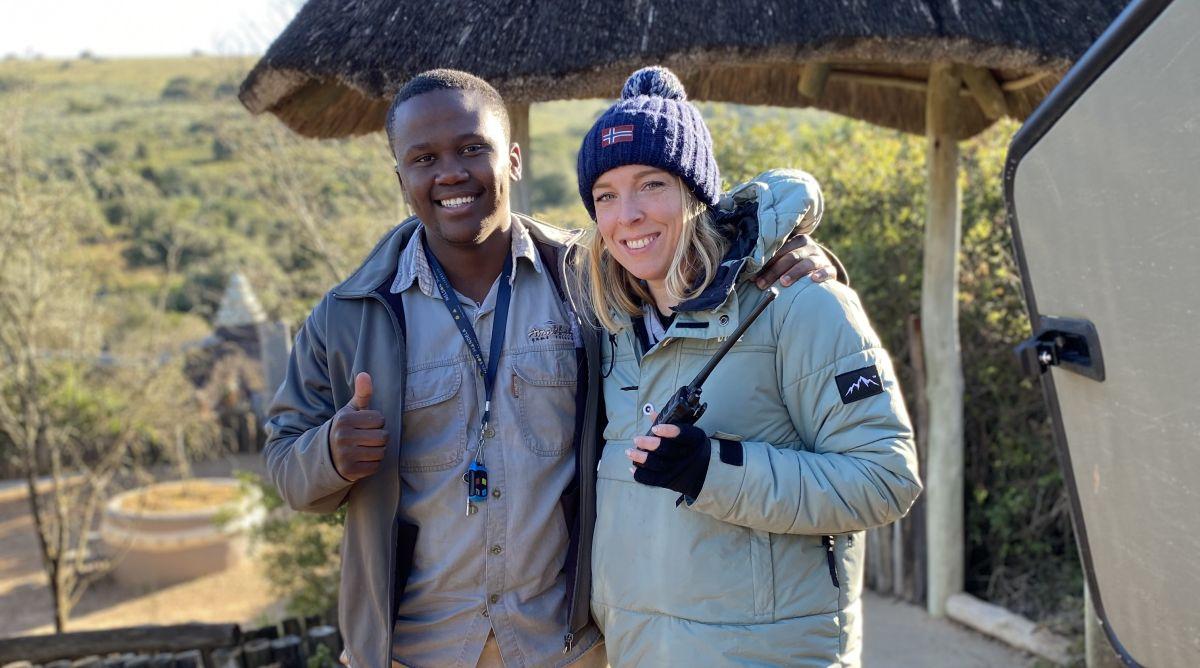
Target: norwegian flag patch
{"x":616,"y":135}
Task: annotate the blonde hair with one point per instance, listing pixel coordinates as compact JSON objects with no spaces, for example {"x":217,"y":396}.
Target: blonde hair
{"x":609,"y":290}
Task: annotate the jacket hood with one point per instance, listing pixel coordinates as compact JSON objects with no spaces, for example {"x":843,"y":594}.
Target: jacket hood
{"x":380,"y":265}
{"x":758,"y":217}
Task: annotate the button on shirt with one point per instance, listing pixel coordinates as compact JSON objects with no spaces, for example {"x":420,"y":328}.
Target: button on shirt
{"x":499,"y":570}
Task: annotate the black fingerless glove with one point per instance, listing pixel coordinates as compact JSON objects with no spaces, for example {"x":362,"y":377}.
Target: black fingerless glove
{"x":679,"y":463}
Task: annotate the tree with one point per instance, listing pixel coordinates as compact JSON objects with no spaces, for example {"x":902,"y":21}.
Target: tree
{"x":292,"y":174}
{"x":79,"y":406}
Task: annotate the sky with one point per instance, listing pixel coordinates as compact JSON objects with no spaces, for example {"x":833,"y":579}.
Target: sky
{"x":113,"y":28}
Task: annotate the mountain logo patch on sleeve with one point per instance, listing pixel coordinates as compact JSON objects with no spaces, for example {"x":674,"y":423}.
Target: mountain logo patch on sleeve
{"x":859,"y":384}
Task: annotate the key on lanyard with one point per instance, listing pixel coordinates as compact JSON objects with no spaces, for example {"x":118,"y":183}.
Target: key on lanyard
{"x":477,"y":484}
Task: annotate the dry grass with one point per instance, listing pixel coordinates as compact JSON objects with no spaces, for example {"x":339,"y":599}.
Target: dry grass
{"x":179,"y":497}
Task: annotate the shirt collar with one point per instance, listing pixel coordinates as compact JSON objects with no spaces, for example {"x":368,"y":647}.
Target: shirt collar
{"x":414,"y":267}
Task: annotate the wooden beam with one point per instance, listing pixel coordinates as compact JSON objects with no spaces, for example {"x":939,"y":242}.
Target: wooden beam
{"x":1010,"y":627}
{"x":939,"y":327}
{"x":1024,"y":82}
{"x":518,"y":116}
{"x":812,"y":80}
{"x":986,"y":91}
{"x":878,"y":80}
{"x":138,"y":639}
{"x":921,"y":85}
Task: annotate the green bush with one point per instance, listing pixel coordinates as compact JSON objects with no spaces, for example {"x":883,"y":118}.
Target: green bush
{"x":184,"y":88}
{"x":10,"y":83}
{"x":300,"y":552}
{"x":221,"y":150}
{"x":78,"y":106}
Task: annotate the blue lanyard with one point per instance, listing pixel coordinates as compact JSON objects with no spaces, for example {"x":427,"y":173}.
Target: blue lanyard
{"x":499,"y":323}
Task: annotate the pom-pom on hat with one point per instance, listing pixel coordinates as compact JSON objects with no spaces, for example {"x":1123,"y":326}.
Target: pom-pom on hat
{"x":652,"y":124}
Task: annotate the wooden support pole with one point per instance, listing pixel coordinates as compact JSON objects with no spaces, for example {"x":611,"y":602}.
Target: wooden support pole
{"x":518,"y":116}
{"x":915,"y":551}
{"x":812,"y":80}
{"x":939,"y":327}
{"x":898,"y":574}
{"x":986,"y":91}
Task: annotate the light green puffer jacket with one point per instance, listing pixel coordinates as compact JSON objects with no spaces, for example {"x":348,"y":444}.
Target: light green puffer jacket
{"x":742,"y":576}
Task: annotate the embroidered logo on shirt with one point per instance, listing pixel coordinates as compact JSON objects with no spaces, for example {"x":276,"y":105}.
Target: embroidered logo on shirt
{"x":550,"y":331}
{"x":859,"y":384}
{"x":618,"y":134}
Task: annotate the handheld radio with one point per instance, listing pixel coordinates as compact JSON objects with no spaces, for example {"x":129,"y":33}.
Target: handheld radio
{"x":684,"y":406}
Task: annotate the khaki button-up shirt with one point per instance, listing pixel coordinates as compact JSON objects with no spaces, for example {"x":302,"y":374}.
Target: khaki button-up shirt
{"x":500,"y":569}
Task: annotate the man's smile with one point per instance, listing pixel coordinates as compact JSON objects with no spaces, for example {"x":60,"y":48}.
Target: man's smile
{"x":456,"y":202}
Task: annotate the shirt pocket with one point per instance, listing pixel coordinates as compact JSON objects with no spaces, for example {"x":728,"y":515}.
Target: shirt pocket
{"x":543,"y":386}
{"x":435,"y":422}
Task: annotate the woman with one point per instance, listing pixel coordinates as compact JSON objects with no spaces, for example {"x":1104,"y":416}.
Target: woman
{"x":737,"y":540}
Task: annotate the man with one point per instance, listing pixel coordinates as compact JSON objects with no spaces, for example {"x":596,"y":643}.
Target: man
{"x":448,"y":394}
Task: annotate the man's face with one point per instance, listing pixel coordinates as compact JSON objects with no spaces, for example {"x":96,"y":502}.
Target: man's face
{"x":455,"y":165}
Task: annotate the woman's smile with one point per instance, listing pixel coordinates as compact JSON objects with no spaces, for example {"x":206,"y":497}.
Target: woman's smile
{"x":638,"y":244}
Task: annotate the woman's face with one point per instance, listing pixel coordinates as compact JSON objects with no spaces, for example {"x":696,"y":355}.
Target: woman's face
{"x":639,"y":213}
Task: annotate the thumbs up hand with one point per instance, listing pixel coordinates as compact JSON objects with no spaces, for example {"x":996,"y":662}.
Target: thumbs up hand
{"x":357,"y":437}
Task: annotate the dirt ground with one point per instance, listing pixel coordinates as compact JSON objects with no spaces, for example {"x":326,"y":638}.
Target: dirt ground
{"x":238,"y":594}
{"x":899,"y":635}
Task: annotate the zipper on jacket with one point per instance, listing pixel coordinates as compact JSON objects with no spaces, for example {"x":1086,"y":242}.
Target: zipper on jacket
{"x":831,"y":559}
{"x":586,"y":469}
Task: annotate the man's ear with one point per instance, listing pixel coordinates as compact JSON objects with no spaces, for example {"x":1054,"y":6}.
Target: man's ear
{"x":514,"y":161}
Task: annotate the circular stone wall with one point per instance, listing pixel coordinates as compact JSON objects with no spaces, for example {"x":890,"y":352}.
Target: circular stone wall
{"x":174,"y":531}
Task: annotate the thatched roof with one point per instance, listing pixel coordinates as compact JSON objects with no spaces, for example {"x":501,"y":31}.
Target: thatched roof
{"x":333,"y":69}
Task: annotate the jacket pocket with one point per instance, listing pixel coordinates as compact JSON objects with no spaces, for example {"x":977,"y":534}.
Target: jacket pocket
{"x":543,"y":384}
{"x":802,"y":583}
{"x":435,"y":421}
{"x":762,"y":569}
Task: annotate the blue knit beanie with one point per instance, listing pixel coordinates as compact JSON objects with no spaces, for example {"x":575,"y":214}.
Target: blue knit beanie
{"x":652,"y":124}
